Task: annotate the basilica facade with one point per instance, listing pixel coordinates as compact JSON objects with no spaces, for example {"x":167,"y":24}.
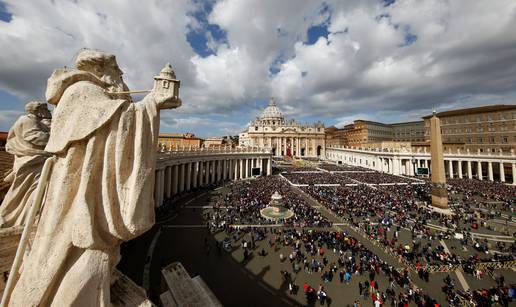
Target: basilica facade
{"x":284,"y":138}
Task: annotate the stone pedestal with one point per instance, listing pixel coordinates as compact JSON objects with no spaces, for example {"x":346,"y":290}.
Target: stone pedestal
{"x":439,"y":197}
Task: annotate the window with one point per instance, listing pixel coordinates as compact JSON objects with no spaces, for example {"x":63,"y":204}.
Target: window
{"x":505,"y":139}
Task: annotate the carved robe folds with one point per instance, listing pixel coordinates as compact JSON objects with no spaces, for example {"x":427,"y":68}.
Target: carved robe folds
{"x":26,"y":140}
{"x":100,"y":193}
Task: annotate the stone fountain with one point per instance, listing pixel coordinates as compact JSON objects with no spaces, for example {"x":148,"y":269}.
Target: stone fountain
{"x":276,"y":211}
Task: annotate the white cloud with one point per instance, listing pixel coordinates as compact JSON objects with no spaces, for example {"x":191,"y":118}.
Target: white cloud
{"x":463,"y":52}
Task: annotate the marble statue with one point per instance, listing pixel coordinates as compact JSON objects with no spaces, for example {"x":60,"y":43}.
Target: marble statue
{"x":26,"y":141}
{"x":100,"y":191}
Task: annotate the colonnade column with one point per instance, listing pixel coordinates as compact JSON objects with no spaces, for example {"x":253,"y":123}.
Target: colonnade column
{"x":450,"y":168}
{"x":470,"y":171}
{"x":479,"y":170}
{"x":241,"y":166}
{"x":195,"y":174}
{"x":174,"y":179}
{"x":213,"y":172}
{"x":459,"y":168}
{"x":224,"y":169}
{"x":269,"y":166}
{"x":231,"y":170}
{"x":490,"y":171}
{"x":182,"y":178}
{"x":188,"y":176}
{"x":168,"y":181}
{"x":157,"y":188}
{"x":201,"y":173}
{"x":502,"y":172}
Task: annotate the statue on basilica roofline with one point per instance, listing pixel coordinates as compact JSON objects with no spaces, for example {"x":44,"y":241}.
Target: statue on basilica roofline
{"x":100,"y":189}
{"x":26,"y":140}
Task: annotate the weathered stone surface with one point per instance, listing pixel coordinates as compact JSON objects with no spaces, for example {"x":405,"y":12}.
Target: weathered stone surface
{"x":26,"y":141}
{"x":100,"y":191}
{"x":184,"y":290}
{"x":125,"y":293}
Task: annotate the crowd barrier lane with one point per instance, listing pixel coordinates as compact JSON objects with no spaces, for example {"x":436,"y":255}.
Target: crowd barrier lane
{"x":497,"y":265}
{"x":492,"y":265}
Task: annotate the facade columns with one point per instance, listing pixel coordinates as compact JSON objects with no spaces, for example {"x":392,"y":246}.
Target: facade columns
{"x":490,"y":171}
{"x":269,"y":166}
{"x":514,"y":173}
{"x":459,"y":168}
{"x":502,"y":172}
{"x":470,"y":171}
{"x":479,"y":170}
{"x":241,"y":164}
{"x":450,"y":168}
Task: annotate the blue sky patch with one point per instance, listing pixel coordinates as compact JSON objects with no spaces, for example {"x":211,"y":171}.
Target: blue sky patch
{"x":4,"y":14}
{"x":314,"y":32}
{"x":199,"y":38}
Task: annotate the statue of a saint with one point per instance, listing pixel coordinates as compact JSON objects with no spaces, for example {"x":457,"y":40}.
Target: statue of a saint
{"x":100,"y":191}
{"x":26,"y":140}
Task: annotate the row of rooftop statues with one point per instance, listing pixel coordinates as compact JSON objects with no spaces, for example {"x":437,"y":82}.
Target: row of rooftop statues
{"x":100,"y":189}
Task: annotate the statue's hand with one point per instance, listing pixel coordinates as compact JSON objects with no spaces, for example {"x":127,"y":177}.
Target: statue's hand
{"x":164,"y":101}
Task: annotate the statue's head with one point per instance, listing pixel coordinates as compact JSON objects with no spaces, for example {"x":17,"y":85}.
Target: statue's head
{"x":38,"y":109}
{"x":103,"y":65}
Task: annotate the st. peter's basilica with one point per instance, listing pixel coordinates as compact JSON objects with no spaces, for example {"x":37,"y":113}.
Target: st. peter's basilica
{"x":286,"y":138}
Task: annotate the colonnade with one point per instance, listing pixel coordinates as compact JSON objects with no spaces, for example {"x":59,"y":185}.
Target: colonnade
{"x":184,"y":171}
{"x":482,"y":166}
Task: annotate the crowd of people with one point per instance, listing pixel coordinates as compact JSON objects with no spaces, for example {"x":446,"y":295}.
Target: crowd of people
{"x":342,"y":168}
{"x":475,"y":191}
{"x":316,"y":178}
{"x":334,"y":257}
{"x":243,"y":203}
{"x":383,"y":212}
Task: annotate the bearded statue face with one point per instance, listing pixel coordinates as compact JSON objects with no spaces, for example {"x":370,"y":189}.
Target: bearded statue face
{"x":104,"y":66}
{"x":112,"y":75}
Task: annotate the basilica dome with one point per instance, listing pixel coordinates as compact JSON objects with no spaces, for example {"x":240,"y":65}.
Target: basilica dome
{"x":271,"y":112}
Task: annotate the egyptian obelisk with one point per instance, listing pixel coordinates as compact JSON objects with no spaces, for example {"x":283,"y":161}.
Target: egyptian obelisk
{"x":439,"y":193}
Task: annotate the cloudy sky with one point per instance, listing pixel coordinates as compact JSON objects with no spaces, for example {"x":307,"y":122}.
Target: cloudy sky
{"x":333,"y":61}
